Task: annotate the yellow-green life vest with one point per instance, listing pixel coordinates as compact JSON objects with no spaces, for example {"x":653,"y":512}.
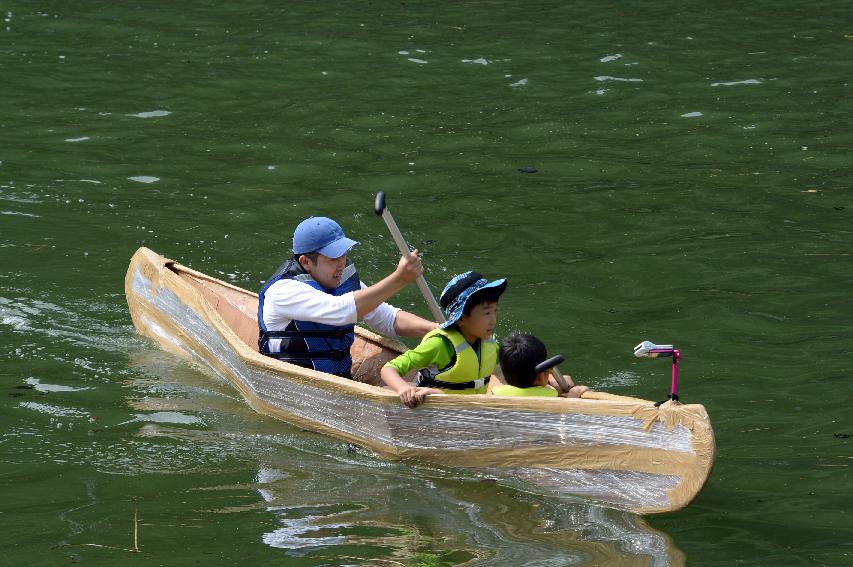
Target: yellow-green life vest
{"x":468,"y":371}
{"x":507,"y":390}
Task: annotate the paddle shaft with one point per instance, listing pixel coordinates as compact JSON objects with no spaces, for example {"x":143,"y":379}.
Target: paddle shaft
{"x":558,"y":376}
{"x":382,"y":210}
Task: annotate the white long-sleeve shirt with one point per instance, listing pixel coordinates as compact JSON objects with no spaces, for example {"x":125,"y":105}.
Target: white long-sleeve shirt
{"x":287,"y":300}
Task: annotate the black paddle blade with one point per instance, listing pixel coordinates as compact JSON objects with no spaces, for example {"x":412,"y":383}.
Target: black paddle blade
{"x":550,"y":363}
{"x":379,"y":204}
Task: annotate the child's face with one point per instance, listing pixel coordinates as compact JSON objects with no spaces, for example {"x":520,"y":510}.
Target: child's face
{"x":480,"y":323}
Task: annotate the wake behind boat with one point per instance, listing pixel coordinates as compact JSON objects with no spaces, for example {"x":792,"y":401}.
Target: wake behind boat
{"x":625,"y":452}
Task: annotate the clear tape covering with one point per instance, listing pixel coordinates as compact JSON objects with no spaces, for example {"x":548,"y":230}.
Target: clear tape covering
{"x":448,"y":428}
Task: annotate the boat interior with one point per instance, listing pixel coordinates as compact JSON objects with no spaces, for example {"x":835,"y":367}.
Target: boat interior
{"x":239,"y":309}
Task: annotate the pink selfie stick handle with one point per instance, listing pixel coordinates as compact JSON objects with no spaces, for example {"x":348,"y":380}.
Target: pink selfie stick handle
{"x":675,"y":356}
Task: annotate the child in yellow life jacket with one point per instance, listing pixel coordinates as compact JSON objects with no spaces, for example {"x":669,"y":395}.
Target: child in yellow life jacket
{"x":459,"y":356}
{"x":520,"y":354}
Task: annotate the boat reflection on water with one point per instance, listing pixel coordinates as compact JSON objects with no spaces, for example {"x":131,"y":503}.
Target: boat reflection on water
{"x":459,"y":520}
{"x":341,"y":504}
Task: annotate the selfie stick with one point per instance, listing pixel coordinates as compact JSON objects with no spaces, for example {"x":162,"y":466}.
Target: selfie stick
{"x":648,"y":349}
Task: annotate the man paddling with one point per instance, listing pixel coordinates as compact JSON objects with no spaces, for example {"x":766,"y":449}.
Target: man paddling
{"x":308,"y":309}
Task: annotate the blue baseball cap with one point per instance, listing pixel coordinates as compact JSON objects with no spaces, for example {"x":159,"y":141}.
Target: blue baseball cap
{"x":323,"y":235}
{"x":459,"y":290}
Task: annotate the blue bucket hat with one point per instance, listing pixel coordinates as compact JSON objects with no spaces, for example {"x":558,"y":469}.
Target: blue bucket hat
{"x":459,"y":290}
{"x":323,"y":235}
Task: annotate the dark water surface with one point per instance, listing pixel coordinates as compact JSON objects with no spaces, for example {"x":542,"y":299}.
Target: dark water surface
{"x":692,"y":186}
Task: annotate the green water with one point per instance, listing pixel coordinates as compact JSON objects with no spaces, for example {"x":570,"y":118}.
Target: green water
{"x":692,"y":186}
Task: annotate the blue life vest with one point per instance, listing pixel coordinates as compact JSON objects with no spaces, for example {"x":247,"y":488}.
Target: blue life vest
{"x":325,"y":348}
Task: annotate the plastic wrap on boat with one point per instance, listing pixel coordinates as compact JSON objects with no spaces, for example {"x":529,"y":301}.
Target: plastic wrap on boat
{"x":621,"y":451}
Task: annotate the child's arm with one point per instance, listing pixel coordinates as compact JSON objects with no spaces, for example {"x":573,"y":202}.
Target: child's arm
{"x":552,"y":381}
{"x":498,"y":379}
{"x":499,"y":374}
{"x":573,"y":391}
{"x":409,"y":394}
{"x":429,"y":352}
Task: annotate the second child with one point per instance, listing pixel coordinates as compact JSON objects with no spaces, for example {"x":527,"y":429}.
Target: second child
{"x":520,"y":354}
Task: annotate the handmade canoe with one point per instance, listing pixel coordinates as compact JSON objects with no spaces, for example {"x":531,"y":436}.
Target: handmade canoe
{"x":623,"y":452}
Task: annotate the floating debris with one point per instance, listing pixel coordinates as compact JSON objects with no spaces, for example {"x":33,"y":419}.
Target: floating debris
{"x":53,"y":410}
{"x":37,"y":385}
{"x":746,"y":82}
{"x":151,"y":114}
{"x":164,"y":417}
{"x":622,"y":79}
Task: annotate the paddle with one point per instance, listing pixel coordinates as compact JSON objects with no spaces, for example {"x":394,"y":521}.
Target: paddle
{"x":381,"y":209}
{"x":551,"y":364}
